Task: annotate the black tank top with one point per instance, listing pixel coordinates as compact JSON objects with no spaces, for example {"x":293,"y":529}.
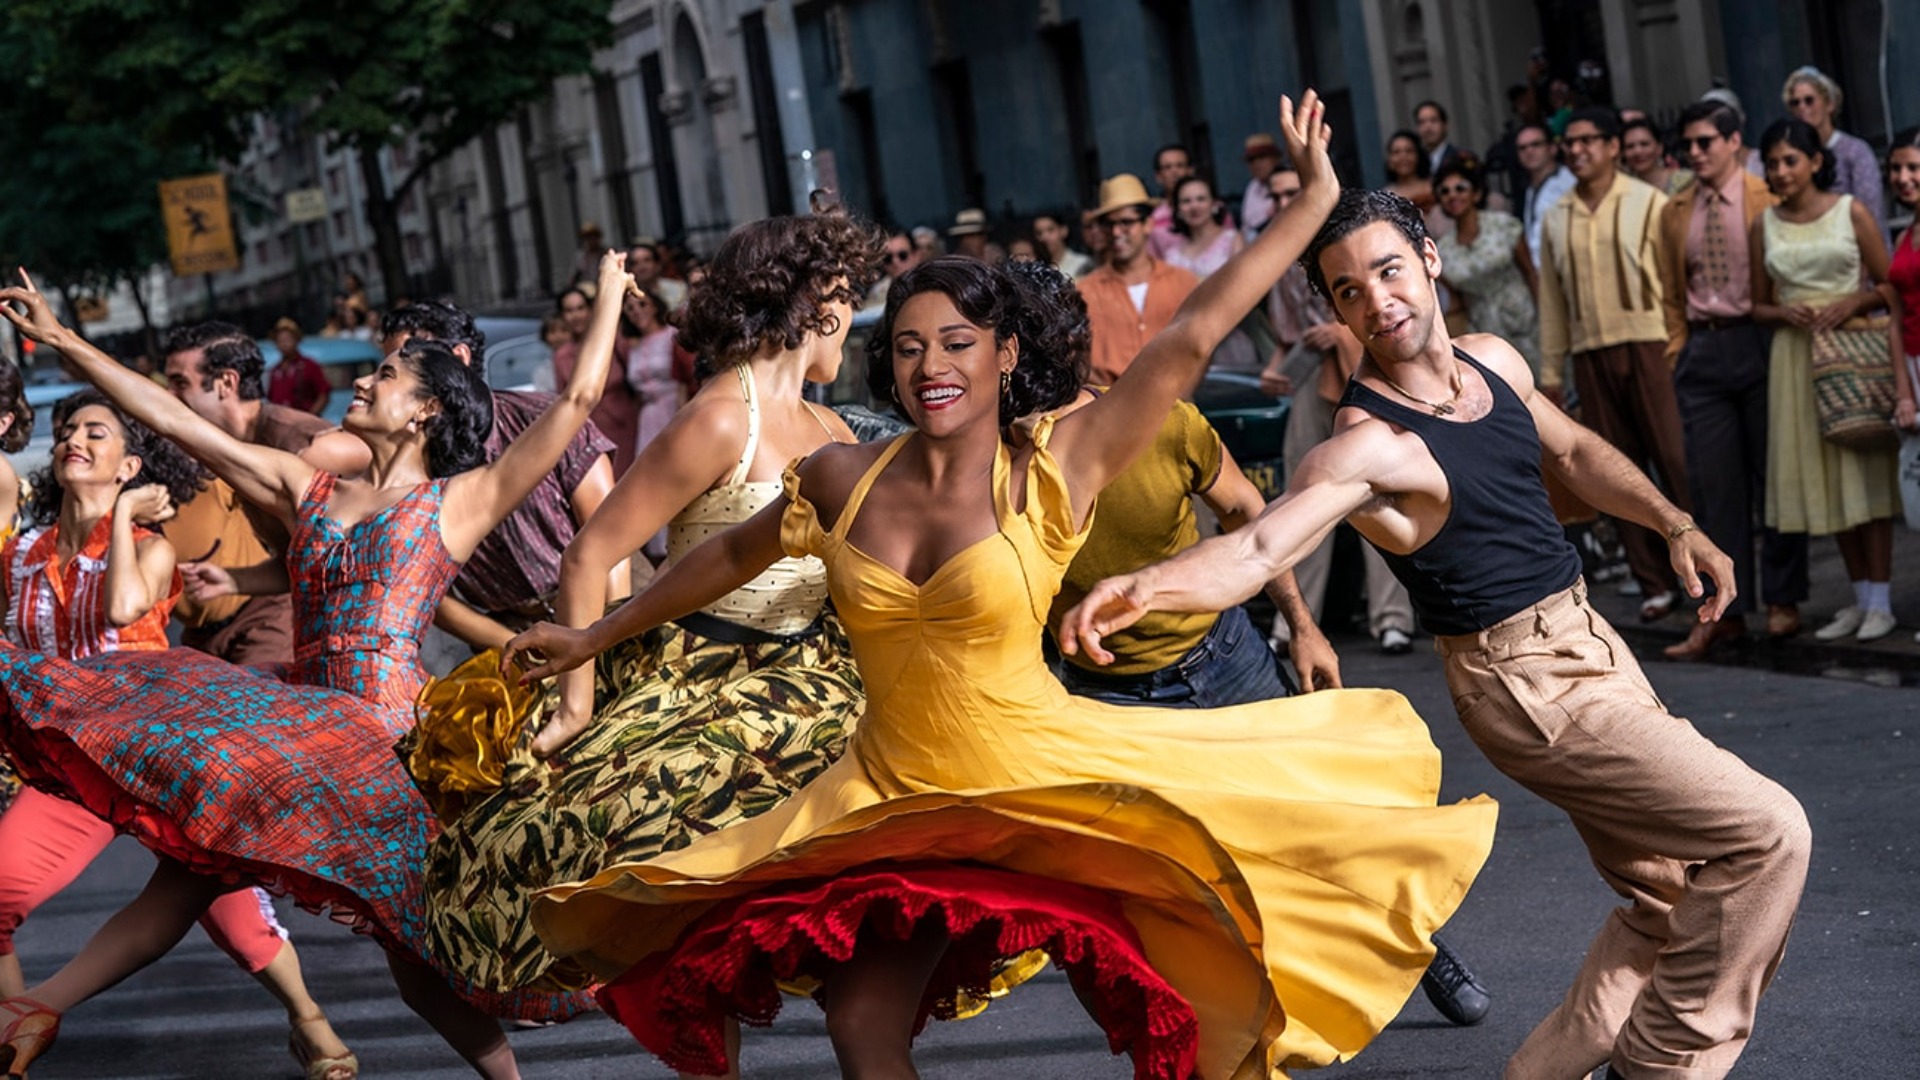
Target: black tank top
{"x":1501,"y":549}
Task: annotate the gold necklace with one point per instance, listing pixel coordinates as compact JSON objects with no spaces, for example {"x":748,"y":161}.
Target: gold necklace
{"x":1440,"y":408}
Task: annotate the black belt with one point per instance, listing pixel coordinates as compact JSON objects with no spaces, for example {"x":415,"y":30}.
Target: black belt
{"x":1719,"y":322}
{"x":715,"y":628}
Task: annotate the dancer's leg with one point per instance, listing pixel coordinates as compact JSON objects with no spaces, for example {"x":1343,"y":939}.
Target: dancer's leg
{"x":48,"y":841}
{"x":474,"y":1035}
{"x":242,"y":924}
{"x":873,"y":999}
{"x":731,"y":1028}
{"x":136,"y":936}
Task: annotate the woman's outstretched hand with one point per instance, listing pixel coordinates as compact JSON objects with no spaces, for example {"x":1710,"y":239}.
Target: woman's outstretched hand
{"x":38,"y":321}
{"x":548,"y":649}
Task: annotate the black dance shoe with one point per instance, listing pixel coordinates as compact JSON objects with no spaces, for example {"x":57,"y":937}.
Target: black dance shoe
{"x":1453,"y":989}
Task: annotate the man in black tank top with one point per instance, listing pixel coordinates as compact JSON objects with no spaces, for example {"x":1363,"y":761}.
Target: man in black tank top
{"x":1437,"y":461}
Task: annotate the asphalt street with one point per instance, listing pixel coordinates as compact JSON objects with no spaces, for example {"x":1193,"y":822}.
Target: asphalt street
{"x":1845,"y":1001}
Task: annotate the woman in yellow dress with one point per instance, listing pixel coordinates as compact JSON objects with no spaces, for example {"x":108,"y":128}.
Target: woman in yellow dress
{"x":1232,"y":895}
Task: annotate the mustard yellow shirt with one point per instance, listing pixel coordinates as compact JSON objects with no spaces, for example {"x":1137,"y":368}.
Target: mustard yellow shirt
{"x":1146,"y":515}
{"x":1600,"y":271}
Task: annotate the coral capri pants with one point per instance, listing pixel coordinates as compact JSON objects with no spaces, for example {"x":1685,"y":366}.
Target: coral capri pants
{"x":48,"y":841}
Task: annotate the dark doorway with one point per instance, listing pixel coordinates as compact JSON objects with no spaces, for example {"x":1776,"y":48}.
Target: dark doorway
{"x":766,"y":115}
{"x":666,"y":171}
{"x":953,"y":87}
{"x":1070,"y":65}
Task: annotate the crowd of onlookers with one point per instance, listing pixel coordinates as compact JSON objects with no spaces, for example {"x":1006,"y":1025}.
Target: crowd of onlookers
{"x":1685,"y":292}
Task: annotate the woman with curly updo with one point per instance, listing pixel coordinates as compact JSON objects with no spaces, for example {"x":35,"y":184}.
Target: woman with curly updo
{"x":1175,"y":862}
{"x":233,"y":778}
{"x":711,"y":718}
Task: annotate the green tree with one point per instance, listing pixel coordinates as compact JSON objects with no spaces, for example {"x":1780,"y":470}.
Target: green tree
{"x":191,"y":75}
{"x":78,"y":201}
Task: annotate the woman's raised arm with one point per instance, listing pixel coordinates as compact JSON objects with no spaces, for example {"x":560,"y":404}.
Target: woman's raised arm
{"x":261,"y":475}
{"x":1096,"y":443}
{"x":480,"y":499}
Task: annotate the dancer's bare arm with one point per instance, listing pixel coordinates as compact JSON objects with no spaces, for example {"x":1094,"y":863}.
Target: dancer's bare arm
{"x":262,"y":475}
{"x":1336,"y":479}
{"x":480,"y":499}
{"x":709,"y":572}
{"x":139,"y":571}
{"x":693,"y":453}
{"x":1236,"y":502}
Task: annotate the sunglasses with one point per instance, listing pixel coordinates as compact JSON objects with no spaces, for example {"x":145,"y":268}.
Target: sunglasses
{"x":1802,"y":101}
{"x":1125,"y":222}
{"x":1700,"y":143}
{"x":899,"y":256}
{"x":1454,"y":189}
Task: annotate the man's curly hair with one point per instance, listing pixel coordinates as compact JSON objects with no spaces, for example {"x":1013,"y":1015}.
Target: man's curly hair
{"x":771,"y":281}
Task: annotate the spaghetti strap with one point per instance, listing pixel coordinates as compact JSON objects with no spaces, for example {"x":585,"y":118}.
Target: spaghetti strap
{"x":745,"y":464}
{"x":859,"y":494}
{"x":814,"y":411}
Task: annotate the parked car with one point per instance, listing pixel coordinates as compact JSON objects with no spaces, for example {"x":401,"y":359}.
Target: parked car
{"x":517,"y":356}
{"x":344,"y":359}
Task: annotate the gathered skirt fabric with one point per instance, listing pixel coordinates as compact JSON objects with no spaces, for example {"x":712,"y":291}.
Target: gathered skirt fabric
{"x":690,"y":735}
{"x":238,"y":776}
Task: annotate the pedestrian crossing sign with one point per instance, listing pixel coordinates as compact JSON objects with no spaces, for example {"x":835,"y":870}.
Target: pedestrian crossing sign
{"x":199,"y":227}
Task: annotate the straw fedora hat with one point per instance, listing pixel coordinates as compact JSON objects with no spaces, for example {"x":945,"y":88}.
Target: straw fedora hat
{"x":1121,"y":191}
{"x":1260,"y":144}
{"x":968,"y":222}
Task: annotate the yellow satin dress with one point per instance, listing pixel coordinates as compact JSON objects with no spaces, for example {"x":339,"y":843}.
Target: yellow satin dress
{"x":1283,"y":863}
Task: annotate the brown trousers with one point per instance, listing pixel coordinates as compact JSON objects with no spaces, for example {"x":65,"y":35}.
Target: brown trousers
{"x":1626,"y":394}
{"x":1711,"y":854}
{"x":260,"y":633}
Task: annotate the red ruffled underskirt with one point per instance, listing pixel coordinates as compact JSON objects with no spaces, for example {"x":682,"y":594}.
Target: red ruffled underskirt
{"x":731,"y":962}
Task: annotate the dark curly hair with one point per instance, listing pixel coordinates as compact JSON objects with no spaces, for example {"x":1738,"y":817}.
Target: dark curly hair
{"x":1802,"y":137}
{"x":226,"y":348}
{"x":439,"y":320}
{"x":1466,"y":168}
{"x":1355,"y":210}
{"x":1029,"y":301}
{"x":161,"y":460}
{"x":13,"y":402}
{"x":771,"y":281}
{"x":457,"y":436}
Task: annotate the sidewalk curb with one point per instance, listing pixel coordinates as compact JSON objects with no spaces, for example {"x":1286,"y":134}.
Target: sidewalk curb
{"x":1895,"y":663}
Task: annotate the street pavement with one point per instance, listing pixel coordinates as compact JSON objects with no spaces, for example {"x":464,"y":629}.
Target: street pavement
{"x":1845,"y":1001}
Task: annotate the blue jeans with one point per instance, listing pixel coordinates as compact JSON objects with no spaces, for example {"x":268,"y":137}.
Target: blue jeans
{"x":1232,"y":665}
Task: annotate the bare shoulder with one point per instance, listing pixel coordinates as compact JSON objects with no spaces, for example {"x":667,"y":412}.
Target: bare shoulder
{"x":1500,"y":357}
{"x":829,"y":475}
{"x":336,"y":450}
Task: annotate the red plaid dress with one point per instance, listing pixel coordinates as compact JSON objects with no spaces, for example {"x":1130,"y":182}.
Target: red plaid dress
{"x":292,"y":785}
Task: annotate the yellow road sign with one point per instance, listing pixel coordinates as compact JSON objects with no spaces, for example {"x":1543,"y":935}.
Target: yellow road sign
{"x":199,"y":228}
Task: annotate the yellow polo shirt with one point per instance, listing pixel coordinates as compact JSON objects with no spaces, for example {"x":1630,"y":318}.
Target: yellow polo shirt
{"x":1143,"y":516}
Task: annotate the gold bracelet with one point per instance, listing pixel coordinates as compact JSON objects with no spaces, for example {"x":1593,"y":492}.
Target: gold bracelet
{"x":1681,"y":530}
